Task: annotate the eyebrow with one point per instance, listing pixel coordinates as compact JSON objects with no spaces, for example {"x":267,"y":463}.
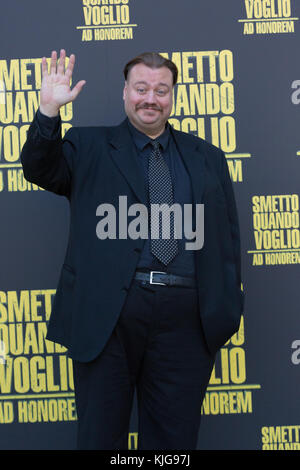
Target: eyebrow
{"x":142,"y":82}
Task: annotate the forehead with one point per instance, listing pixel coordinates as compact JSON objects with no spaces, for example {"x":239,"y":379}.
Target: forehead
{"x":141,"y":72}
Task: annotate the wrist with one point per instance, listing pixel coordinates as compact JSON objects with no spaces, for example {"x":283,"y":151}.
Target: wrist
{"x":49,"y":111}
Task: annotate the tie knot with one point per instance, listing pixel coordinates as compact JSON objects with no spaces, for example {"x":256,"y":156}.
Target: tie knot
{"x":156,"y":145}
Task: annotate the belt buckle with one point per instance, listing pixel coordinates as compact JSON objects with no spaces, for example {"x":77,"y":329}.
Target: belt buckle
{"x":156,"y":283}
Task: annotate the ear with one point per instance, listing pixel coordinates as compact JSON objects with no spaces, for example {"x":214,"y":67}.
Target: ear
{"x":125,"y":90}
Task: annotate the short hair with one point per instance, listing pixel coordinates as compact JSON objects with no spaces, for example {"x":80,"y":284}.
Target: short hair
{"x":154,"y":61}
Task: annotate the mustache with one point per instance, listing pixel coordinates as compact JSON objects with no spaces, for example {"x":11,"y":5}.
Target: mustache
{"x":148,"y":106}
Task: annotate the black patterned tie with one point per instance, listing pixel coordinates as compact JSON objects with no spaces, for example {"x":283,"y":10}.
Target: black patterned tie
{"x":161,"y":192}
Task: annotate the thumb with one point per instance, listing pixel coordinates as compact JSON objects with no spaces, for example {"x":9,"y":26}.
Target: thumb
{"x":77,"y":89}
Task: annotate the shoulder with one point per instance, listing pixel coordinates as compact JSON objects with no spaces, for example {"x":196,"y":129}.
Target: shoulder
{"x":90,"y":132}
{"x":89,"y":136}
{"x":205,"y":147}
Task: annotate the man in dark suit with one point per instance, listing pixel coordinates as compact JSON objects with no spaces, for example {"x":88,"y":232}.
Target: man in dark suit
{"x":142,"y":312}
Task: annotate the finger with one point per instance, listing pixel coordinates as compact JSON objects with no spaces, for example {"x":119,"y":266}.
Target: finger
{"x":44,"y":67}
{"x":53,"y":62}
{"x":77,"y":89}
{"x":70,"y":67}
{"x":61,"y":63}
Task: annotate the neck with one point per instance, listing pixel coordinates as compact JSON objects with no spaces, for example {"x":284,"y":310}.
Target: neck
{"x":152,"y":133}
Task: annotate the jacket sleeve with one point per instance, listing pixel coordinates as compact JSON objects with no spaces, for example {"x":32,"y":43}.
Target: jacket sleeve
{"x":47,"y":159}
{"x":233,"y":220}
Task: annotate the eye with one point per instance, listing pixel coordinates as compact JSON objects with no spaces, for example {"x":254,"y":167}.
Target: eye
{"x":141,"y":90}
{"x":161,"y":92}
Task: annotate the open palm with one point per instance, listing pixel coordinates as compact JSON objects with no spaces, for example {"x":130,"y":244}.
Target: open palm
{"x":55,"y":89}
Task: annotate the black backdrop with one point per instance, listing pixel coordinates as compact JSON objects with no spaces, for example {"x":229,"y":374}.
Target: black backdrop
{"x":238,"y":88}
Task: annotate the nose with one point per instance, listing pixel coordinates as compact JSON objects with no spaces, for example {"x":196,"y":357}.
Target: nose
{"x":150,"y":97}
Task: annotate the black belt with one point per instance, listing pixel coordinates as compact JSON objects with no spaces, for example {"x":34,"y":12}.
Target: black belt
{"x":164,"y":279}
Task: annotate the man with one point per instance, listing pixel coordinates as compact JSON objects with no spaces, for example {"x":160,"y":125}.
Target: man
{"x":132,"y":311}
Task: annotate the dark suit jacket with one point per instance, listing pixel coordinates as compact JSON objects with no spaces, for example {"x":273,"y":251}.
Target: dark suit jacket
{"x":95,"y":165}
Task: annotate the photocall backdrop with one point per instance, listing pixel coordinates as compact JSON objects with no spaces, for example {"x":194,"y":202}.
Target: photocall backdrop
{"x":239,"y":88}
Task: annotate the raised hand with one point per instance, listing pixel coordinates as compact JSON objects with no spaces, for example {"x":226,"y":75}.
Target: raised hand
{"x":55,"y":89}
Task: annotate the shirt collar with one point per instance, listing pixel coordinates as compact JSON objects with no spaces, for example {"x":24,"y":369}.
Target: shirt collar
{"x":141,"y":139}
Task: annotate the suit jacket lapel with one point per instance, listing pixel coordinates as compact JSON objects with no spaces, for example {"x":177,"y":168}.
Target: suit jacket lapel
{"x":194,"y":160}
{"x":124,"y":154}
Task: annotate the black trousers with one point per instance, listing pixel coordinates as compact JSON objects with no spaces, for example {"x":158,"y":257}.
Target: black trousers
{"x":158,"y":347}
